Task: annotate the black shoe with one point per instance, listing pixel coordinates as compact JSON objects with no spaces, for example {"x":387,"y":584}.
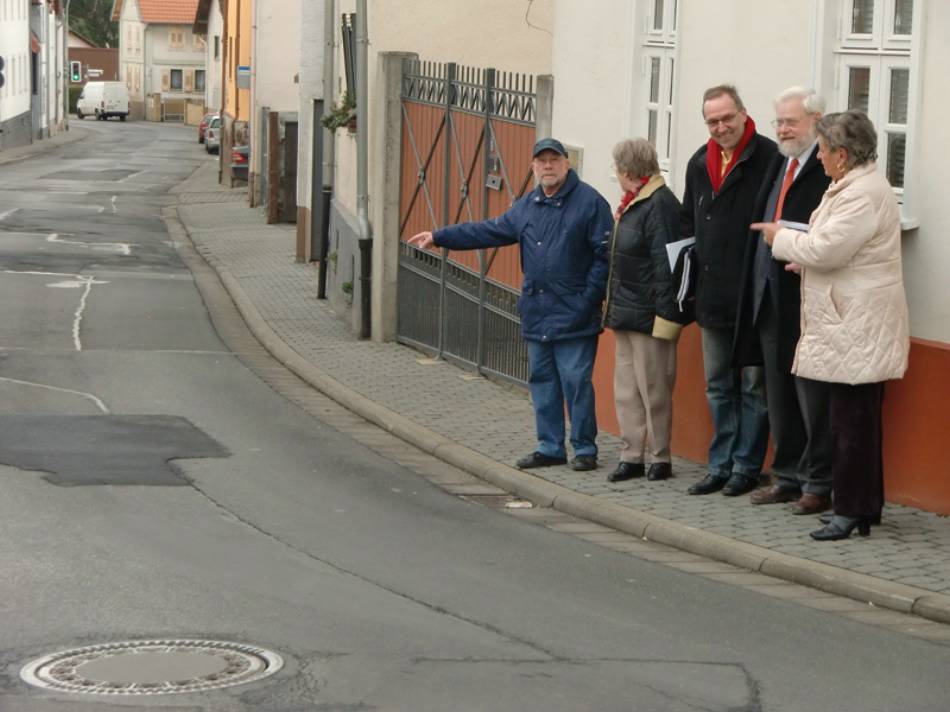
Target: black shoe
{"x":841,"y":528}
{"x":626,"y":471}
{"x":660,"y":471}
{"x":826,"y":519}
{"x":739,"y":484}
{"x":708,"y":485}
{"x":537,"y":459}
{"x":582,"y":463}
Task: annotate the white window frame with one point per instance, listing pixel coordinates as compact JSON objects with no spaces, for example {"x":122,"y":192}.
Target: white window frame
{"x":881,"y":51}
{"x":659,"y":43}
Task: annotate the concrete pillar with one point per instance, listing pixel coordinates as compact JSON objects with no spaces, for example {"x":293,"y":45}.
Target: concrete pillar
{"x":544,"y":106}
{"x":386,"y":148}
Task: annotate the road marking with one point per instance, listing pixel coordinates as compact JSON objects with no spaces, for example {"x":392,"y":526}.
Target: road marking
{"x":124,"y":248}
{"x":114,"y":208}
{"x":86,"y":282}
{"x":77,"y":319}
{"x":99,"y":404}
{"x":8,"y":213}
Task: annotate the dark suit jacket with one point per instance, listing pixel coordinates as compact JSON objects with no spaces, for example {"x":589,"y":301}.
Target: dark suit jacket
{"x":802,"y":198}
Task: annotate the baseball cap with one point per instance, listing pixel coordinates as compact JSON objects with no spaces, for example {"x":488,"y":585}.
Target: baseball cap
{"x":549,"y":144}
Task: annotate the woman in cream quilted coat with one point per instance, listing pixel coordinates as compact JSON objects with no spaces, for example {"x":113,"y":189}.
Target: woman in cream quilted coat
{"x":854,"y":314}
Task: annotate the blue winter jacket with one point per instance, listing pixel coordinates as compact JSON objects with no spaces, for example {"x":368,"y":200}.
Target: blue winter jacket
{"x":563,"y":243}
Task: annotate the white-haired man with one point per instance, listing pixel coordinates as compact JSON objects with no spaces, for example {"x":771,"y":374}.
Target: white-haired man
{"x":768,"y":322}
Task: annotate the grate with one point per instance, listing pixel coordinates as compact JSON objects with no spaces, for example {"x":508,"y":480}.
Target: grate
{"x":152,"y":667}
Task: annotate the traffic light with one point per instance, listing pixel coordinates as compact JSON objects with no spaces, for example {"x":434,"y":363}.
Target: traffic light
{"x":75,"y":72}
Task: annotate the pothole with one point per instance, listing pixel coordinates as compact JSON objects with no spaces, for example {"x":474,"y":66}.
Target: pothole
{"x":152,"y":667}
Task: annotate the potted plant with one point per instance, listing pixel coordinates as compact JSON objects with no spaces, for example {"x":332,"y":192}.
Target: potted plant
{"x":343,"y":114}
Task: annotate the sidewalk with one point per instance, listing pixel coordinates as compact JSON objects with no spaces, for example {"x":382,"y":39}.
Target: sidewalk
{"x":20,"y":153}
{"x":482,"y":427}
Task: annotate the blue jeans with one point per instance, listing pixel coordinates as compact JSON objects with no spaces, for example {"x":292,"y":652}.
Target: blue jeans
{"x":561,"y":371}
{"x":737,"y":405}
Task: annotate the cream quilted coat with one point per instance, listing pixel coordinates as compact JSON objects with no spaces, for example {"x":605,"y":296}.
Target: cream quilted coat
{"x":854,"y":313}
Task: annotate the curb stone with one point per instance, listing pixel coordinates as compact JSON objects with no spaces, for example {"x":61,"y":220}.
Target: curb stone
{"x":824,"y":577}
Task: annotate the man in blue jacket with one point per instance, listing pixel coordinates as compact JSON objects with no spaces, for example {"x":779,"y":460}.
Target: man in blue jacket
{"x":562,"y":227}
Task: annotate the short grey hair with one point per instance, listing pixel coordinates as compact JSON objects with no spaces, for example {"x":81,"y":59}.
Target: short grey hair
{"x":636,"y":157}
{"x":811,"y":100}
{"x":723,"y":90}
{"x":853,"y":131}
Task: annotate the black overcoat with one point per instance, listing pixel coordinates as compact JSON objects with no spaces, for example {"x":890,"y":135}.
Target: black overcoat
{"x":802,"y":198}
{"x":720,"y":222}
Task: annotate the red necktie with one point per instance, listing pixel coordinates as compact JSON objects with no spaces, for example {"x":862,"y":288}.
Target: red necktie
{"x":789,"y":177}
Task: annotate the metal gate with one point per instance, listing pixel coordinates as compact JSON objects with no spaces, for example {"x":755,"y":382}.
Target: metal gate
{"x":466,"y":155}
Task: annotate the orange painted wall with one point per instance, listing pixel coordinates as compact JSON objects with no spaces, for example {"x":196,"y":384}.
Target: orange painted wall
{"x":916,"y":418}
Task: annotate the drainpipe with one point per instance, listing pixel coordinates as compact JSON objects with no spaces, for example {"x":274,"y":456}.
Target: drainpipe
{"x":329,"y":144}
{"x":66,"y":66}
{"x":362,"y":165}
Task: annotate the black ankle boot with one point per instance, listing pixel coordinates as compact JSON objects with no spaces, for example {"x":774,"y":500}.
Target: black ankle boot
{"x":841,"y":527}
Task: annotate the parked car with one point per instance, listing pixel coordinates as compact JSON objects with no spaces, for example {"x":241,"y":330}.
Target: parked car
{"x":213,"y":135}
{"x":203,"y":126}
{"x":240,"y":159}
{"x":102,"y":100}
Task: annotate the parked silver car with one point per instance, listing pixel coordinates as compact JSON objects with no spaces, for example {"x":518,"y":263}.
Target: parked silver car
{"x":213,"y":135}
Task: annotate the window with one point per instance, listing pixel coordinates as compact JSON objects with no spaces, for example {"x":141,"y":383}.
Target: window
{"x":217,"y":46}
{"x":199,"y":42}
{"x":875,"y":75}
{"x":659,"y":63}
{"x":176,"y":39}
{"x":199,"y":80}
{"x":175,"y":80}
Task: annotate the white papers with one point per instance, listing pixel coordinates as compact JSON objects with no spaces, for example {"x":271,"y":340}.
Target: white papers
{"x":673,"y":250}
{"x":801,"y":227}
{"x":683,"y":293}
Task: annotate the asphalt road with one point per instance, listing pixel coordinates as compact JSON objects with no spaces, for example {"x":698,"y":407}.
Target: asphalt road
{"x":153,"y":486}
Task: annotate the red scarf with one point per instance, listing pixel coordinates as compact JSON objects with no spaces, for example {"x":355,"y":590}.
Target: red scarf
{"x":629,"y":196}
{"x":714,"y":156}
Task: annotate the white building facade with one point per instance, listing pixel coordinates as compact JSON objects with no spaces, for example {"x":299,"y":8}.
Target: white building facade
{"x":15,"y":74}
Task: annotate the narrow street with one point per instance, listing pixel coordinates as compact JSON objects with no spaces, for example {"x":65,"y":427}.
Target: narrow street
{"x":163,"y":478}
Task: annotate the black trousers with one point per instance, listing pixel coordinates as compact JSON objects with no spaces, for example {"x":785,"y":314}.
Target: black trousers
{"x":856,"y":462}
{"x":798,"y":415}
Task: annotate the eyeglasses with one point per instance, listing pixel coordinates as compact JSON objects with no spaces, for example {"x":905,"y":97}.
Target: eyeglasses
{"x":791,"y":123}
{"x":728,"y":119}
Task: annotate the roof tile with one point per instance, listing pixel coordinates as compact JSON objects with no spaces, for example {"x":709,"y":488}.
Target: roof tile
{"x":171,"y":12}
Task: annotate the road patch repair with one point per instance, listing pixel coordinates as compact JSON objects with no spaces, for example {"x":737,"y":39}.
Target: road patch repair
{"x":104,"y":449}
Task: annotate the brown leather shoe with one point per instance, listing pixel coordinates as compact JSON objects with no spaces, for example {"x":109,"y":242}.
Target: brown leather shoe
{"x":776,"y":494}
{"x":811,"y":504}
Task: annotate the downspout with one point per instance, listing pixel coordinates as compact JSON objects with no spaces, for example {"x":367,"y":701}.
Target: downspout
{"x":362,"y":166}
{"x":329,"y":145}
{"x":66,"y":66}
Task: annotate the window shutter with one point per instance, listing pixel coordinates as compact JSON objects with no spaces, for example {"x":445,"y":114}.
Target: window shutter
{"x":189,"y":80}
{"x":166,"y":80}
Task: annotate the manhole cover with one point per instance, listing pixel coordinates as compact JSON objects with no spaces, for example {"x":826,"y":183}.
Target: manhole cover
{"x":152,"y":667}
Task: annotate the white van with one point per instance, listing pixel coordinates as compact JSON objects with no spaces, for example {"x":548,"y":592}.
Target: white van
{"x":102,"y":100}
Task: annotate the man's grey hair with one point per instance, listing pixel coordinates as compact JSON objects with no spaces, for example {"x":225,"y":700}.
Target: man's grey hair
{"x":852,"y":131}
{"x":811,"y":100}
{"x":636,"y":158}
{"x":723,"y":90}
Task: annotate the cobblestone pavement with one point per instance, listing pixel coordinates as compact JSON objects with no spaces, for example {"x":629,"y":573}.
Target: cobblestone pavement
{"x":910,"y":547}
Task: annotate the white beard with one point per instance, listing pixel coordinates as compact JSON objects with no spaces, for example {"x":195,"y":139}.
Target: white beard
{"x":794,"y":147}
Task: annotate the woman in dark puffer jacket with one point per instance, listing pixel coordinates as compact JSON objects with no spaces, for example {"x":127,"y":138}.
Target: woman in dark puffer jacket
{"x":641,"y":309}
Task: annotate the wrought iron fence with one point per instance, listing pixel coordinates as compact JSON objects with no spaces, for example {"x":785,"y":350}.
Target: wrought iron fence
{"x":452,"y":309}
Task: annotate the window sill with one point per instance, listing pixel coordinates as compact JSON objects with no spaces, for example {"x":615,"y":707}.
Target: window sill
{"x":909,"y":223}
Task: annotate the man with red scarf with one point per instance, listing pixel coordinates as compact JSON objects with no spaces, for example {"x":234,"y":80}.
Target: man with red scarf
{"x":723,"y":179}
